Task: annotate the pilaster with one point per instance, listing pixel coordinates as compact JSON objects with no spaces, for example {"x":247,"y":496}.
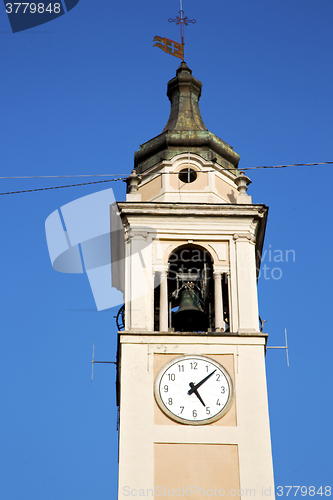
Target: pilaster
{"x":248,"y":316}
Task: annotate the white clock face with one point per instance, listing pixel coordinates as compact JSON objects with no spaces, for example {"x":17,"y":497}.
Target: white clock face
{"x":194,"y":390}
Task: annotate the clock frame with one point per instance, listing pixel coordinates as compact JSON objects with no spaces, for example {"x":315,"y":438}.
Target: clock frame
{"x":212,"y":378}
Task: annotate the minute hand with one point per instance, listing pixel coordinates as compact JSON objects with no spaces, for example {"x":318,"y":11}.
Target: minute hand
{"x":195,"y":387}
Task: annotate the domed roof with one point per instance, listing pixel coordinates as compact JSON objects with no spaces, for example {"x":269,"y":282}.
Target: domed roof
{"x":185,"y":130}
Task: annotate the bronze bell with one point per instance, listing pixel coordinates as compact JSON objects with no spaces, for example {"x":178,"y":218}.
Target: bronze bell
{"x":190,"y":316}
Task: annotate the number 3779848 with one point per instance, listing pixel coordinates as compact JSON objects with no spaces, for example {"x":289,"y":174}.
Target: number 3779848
{"x":32,"y":8}
{"x":303,"y":491}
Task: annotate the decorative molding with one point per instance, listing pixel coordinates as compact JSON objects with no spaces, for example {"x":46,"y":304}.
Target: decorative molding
{"x":220,"y":249}
{"x":245,"y":237}
{"x":249,"y":331}
{"x":127,"y":233}
{"x":161,"y":268}
{"x":196,"y":209}
{"x":136,"y":234}
{"x":221,"y":269}
{"x":158,"y":250}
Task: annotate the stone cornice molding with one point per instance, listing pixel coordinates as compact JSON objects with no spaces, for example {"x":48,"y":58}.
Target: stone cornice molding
{"x":190,"y":209}
{"x":168,"y":335}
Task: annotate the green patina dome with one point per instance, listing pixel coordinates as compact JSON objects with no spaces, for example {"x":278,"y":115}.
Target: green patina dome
{"x":185,"y":130}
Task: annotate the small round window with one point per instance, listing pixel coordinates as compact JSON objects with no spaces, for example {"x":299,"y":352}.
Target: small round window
{"x":187,"y":175}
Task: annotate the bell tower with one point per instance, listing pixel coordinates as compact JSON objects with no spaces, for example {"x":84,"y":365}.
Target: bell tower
{"x":192,"y":386}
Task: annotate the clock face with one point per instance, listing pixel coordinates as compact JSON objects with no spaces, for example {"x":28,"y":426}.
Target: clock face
{"x":194,"y":390}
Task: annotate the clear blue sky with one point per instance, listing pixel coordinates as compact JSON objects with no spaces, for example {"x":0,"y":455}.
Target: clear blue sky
{"x":78,"y":96}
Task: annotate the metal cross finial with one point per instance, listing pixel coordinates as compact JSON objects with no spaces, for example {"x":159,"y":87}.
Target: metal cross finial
{"x":182,"y":21}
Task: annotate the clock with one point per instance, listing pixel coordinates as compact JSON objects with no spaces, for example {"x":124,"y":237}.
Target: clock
{"x":194,"y":390}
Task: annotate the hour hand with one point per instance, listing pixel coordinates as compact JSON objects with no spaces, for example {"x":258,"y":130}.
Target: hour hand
{"x":194,"y":387}
{"x":194,"y":390}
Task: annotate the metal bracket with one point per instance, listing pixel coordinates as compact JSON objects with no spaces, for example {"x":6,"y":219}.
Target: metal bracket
{"x":282,"y":347}
{"x":93,"y":362}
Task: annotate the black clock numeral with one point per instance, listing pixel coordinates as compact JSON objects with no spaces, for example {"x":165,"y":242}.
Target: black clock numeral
{"x":172,"y":376}
{"x":207,"y":410}
{"x":207,"y":367}
{"x":194,"y":413}
{"x":222,"y":389}
{"x":218,"y":376}
{"x":194,"y":365}
{"x":166,"y":388}
{"x":181,"y":368}
{"x":170,"y":401}
{"x":218,"y":403}
{"x":181,"y":409}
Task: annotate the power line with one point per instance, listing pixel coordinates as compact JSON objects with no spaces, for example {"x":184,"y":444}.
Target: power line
{"x":57,"y":176}
{"x":124,"y":178}
{"x":60,"y":187}
{"x":286,"y":166}
{"x":113,"y":175}
{"x":255,"y":168}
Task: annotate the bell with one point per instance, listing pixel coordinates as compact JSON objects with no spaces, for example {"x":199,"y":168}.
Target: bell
{"x":190,"y":316}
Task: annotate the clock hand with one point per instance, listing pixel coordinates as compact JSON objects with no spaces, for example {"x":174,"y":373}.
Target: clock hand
{"x":196,"y":393}
{"x":195,"y":387}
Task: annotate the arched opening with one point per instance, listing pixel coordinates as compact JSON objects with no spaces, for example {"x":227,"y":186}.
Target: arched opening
{"x":191,"y":289}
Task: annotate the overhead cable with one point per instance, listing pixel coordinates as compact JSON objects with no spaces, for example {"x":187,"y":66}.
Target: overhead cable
{"x":112,"y":175}
{"x":124,"y":178}
{"x":60,"y":187}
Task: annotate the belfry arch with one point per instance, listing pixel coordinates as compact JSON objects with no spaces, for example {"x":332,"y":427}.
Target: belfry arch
{"x":191,"y":295}
{"x":189,"y":289}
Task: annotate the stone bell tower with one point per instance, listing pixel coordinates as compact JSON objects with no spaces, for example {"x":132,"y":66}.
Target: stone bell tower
{"x":192,"y":384}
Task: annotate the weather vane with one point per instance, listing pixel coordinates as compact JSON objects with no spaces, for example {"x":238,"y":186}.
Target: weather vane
{"x":169,"y":46}
{"x":182,"y":21}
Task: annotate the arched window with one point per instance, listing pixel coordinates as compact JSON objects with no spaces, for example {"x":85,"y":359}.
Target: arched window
{"x":191,"y":289}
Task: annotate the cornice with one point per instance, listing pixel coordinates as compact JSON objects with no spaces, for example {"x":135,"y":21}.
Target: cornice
{"x":258,"y":213}
{"x":192,"y":209}
{"x":171,"y":334}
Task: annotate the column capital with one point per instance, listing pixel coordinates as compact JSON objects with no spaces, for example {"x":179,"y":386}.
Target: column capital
{"x":135,"y":234}
{"x":244,"y":237}
{"x":139,"y":234}
{"x":220,"y":269}
{"x":163,"y":269}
